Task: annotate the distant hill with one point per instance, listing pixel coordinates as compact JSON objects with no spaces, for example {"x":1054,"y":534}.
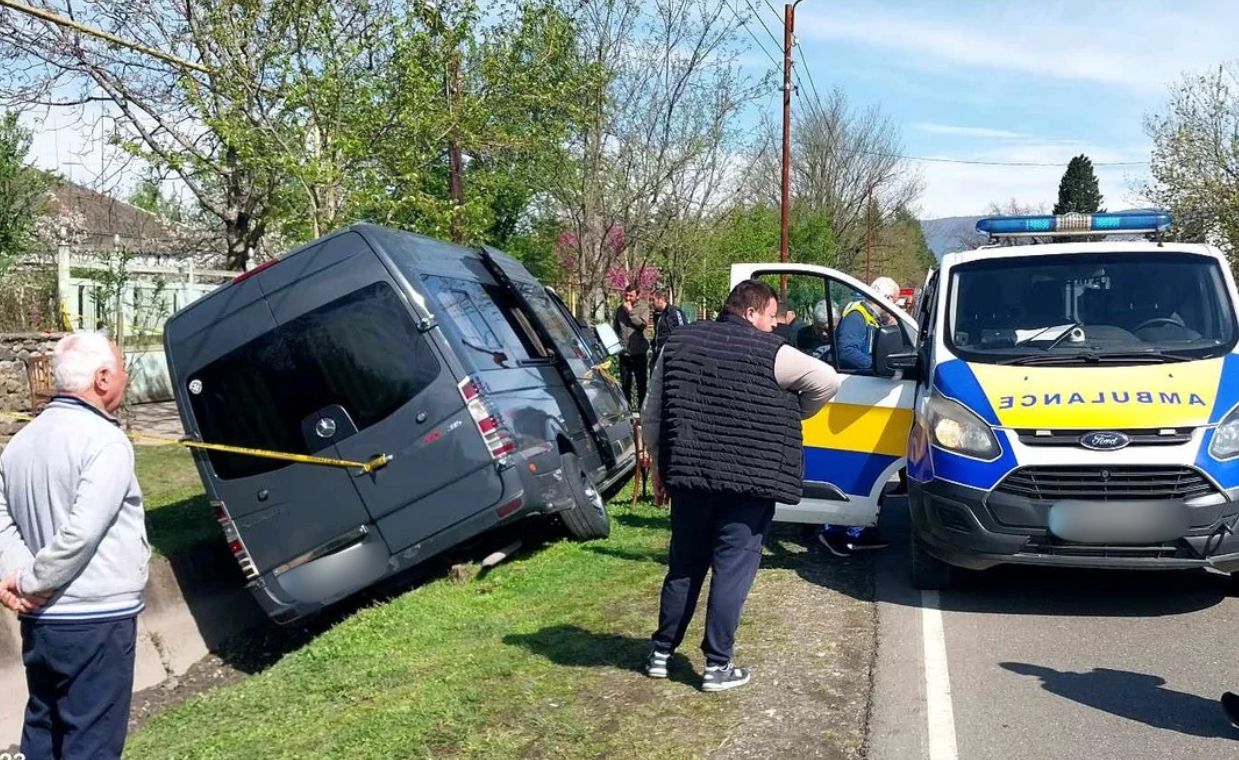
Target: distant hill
{"x":949,"y":233}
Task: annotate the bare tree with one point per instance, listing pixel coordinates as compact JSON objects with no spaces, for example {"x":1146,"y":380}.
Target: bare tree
{"x":655,"y":151}
{"x":841,"y":158}
{"x":233,"y":126}
{"x":1195,"y":163}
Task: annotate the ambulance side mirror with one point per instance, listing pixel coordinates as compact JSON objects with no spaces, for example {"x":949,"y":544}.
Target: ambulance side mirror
{"x":891,"y":352}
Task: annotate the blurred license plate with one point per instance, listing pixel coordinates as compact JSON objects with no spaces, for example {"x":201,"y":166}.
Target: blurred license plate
{"x":1119,"y":522}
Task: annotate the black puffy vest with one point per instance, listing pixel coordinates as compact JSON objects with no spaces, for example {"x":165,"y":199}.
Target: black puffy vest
{"x":727,"y":426}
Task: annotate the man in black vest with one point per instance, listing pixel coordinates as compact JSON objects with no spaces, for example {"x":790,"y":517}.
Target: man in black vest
{"x":722,"y":424}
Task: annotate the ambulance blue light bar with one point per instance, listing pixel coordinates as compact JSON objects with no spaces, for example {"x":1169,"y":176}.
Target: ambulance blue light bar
{"x":1126,"y":223}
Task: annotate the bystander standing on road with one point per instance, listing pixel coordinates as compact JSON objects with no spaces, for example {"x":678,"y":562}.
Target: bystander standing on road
{"x":74,"y":555}
{"x":723,"y":425}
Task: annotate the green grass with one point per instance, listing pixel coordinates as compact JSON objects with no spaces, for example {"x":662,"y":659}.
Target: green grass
{"x":531,"y":660}
{"x":177,"y":514}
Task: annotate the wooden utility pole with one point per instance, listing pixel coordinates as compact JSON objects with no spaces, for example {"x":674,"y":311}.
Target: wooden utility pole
{"x":455,"y":162}
{"x":789,"y":24}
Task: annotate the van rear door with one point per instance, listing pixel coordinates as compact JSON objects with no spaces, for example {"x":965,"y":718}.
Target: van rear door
{"x":235,"y":385}
{"x":571,"y":355}
{"x":381,"y":387}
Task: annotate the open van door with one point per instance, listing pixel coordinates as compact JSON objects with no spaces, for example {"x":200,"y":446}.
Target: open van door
{"x":859,"y":440}
{"x":572,"y":357}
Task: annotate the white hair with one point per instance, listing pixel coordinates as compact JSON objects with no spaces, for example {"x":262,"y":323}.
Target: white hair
{"x":886,"y":287}
{"x":821,"y":313}
{"x":76,"y":359}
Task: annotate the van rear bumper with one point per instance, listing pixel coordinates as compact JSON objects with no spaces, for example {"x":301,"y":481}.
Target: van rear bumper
{"x":308,"y":588}
{"x":954,"y":524}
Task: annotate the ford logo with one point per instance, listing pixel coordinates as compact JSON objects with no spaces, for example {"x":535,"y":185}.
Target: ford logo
{"x":1104,"y":441}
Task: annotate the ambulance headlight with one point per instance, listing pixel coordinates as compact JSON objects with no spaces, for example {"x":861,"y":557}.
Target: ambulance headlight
{"x":954,"y":428}
{"x":1226,"y":437}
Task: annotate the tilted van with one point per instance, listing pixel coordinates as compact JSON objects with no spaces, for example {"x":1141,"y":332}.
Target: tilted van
{"x":474,"y":384}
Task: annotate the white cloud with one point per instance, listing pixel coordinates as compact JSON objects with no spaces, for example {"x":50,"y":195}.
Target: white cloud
{"x":1105,"y":42}
{"x":956,"y":130}
{"x":961,"y":190}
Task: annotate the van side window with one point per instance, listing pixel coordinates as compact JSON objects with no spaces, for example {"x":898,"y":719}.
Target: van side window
{"x":486,"y":317}
{"x":363,"y":352}
{"x":562,"y":332}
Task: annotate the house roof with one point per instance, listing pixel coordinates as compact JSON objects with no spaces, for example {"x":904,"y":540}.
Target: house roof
{"x":98,"y":222}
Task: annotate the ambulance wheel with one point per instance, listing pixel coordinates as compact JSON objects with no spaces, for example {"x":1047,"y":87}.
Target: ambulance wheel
{"x":928,"y":572}
{"x":587,"y":519}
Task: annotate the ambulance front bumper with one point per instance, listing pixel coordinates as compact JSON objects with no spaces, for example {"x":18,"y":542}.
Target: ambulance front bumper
{"x":978,"y":529}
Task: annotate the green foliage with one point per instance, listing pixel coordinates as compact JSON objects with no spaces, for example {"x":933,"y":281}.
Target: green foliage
{"x":900,"y":251}
{"x":1195,"y":164}
{"x":517,"y":103}
{"x":751,"y":234}
{"x":149,"y":197}
{"x":23,"y":190}
{"x":1078,"y":192}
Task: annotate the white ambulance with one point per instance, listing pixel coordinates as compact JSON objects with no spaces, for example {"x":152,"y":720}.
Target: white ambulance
{"x":1067,"y":403}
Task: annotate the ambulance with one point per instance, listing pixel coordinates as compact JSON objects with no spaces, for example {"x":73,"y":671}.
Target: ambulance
{"x":1070,"y":402}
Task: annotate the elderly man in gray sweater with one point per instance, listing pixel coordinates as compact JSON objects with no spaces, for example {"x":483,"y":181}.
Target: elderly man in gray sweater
{"x":74,"y":556}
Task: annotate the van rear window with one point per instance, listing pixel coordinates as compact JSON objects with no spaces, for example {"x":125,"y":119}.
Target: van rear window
{"x":362,"y":351}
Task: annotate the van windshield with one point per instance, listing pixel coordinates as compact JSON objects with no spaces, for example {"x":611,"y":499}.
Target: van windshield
{"x":1084,"y":308}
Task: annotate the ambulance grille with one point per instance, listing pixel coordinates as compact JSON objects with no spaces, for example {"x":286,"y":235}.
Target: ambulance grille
{"x":1140,"y":437}
{"x":1106,"y":483}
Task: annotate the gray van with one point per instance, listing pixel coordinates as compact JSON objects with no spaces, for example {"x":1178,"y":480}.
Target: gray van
{"x":455,"y":362}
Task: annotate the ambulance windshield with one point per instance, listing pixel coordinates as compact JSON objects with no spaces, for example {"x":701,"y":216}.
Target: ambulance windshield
{"x":1087,"y":308}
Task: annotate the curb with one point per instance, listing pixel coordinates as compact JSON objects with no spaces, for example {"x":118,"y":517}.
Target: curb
{"x":194,"y":602}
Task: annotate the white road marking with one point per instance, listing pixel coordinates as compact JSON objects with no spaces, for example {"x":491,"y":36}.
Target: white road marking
{"x":937,"y":681}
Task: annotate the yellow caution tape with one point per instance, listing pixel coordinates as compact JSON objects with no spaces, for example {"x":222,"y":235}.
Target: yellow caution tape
{"x":603,"y":370}
{"x":366,"y":468}
{"x":377,"y":463}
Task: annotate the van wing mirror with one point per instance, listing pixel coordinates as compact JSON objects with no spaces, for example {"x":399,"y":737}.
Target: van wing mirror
{"x":607,"y":337}
{"x":891,"y":352}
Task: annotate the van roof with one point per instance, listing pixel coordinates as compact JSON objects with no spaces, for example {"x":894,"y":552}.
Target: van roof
{"x":425,"y":253}
{"x":1050,"y":249}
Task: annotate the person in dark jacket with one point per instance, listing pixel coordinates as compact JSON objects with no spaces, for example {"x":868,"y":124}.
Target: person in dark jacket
{"x":667,"y":317}
{"x":723,"y":426}
{"x":630,"y":320}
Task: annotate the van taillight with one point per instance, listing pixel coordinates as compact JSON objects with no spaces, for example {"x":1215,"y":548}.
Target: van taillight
{"x":235,"y":544}
{"x":489,"y":424}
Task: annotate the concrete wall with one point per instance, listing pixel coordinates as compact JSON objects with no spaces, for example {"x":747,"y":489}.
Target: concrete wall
{"x":148,"y":377}
{"x":194,"y":602}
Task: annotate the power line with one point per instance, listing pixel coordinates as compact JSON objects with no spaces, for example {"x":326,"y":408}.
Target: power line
{"x":757,"y":16}
{"x":808,"y":72}
{"x":969,"y":162}
{"x":756,"y":41}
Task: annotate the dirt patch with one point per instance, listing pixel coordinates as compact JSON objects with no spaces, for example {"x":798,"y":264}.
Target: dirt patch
{"x":208,"y":673}
{"x":811,"y":645}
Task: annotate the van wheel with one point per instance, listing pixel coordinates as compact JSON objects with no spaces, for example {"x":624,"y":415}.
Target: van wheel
{"x":588,"y":518}
{"x":928,"y":572}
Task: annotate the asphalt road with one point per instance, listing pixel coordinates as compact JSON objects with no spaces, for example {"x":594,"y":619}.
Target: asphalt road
{"x":1034,"y":663}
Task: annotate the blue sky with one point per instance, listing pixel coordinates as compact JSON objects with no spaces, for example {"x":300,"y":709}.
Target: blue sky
{"x":990,"y":80}
{"x":1020,"y":80}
